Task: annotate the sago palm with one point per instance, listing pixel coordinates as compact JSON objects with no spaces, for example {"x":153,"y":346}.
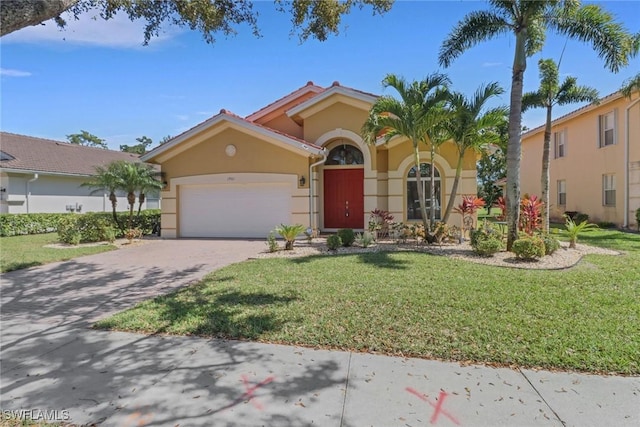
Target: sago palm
{"x":472,"y":127}
{"x":574,"y":230}
{"x":551,"y":93}
{"x":529,"y":21}
{"x":411,"y":116}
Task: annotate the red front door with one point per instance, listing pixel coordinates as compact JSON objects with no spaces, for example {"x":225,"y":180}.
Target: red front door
{"x":344,"y":198}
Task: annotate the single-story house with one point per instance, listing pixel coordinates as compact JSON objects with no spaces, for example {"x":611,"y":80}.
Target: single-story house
{"x":40,"y":175}
{"x":300,"y":159}
{"x":595,"y":161}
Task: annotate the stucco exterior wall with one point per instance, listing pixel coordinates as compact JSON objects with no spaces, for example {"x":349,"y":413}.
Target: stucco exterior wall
{"x":255,"y":160}
{"x":585,"y":162}
{"x":252,"y":155}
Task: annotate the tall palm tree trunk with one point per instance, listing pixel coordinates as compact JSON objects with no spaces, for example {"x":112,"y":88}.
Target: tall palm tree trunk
{"x":141,"y":199}
{"x":114,"y":202}
{"x":454,"y":188}
{"x":514,"y":148}
{"x":544,"y":179}
{"x":423,"y":209}
{"x":131,"y":198}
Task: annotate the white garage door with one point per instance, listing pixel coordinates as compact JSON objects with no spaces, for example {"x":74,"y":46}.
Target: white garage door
{"x":233,"y":210}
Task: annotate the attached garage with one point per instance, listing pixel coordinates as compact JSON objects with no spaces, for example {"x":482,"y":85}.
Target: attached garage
{"x":233,"y":210}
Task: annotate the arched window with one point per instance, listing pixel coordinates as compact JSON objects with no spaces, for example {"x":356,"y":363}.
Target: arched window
{"x":413,"y":201}
{"x":345,"y":155}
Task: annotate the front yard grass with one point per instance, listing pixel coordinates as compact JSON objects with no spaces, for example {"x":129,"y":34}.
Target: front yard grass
{"x":415,"y":304}
{"x":19,"y":252}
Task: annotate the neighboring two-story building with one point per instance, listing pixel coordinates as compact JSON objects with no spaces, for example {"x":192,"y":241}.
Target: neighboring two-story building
{"x":595,"y":161}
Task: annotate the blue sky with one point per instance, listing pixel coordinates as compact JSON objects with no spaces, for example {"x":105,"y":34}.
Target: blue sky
{"x":97,"y":76}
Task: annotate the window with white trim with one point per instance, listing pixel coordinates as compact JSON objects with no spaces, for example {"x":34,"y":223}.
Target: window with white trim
{"x":607,"y":124}
{"x":413,"y":201}
{"x":559,"y":144}
{"x":562,"y":192}
{"x":609,"y":190}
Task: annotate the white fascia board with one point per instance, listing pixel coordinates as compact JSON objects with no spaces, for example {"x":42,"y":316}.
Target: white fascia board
{"x":31,"y":172}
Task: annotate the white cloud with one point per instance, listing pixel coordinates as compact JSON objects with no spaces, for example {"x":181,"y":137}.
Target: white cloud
{"x":491,"y":64}
{"x":89,"y":29}
{"x":182,"y":117}
{"x":204,"y":113}
{"x":8,"y":72}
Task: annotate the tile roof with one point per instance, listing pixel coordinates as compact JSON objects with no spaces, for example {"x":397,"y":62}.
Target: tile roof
{"x":309,"y":87}
{"x":44,"y":155}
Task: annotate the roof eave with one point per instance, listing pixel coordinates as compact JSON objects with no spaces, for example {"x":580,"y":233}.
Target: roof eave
{"x":298,"y":109}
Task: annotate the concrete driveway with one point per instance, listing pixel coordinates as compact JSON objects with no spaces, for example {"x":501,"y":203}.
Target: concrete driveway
{"x":85,"y":289}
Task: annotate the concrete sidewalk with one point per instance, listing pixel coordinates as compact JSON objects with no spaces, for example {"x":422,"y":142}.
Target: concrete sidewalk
{"x":121,"y":379}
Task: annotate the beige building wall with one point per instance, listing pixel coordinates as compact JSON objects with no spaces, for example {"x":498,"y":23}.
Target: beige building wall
{"x":585,"y":162}
{"x":206,"y":162}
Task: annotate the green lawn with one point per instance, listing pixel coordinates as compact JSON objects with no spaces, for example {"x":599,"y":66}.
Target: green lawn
{"x":18,"y":252}
{"x":415,"y":304}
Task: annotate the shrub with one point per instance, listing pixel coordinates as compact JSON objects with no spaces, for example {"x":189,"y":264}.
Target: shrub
{"x":580,"y":217}
{"x":334,"y":242}
{"x":528,"y":248}
{"x":486,"y":241}
{"x":68,"y":231}
{"x":365,"y":239}
{"x":638,"y":218}
{"x":347,"y":236}
{"x":606,"y":224}
{"x":574,"y":229}
{"x":32,"y":223}
{"x":272,"y":243}
{"x":133,"y":233}
{"x":289,"y":234}
{"x":95,"y":227}
{"x":551,"y":244}
{"x":488,"y":247}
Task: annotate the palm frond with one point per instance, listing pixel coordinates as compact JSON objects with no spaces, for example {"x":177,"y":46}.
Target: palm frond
{"x":630,"y":85}
{"x":591,"y":24}
{"x":474,"y":28}
{"x":533,"y":100}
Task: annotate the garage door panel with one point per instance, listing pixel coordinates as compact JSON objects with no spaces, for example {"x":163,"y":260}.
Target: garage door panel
{"x":233,"y":210}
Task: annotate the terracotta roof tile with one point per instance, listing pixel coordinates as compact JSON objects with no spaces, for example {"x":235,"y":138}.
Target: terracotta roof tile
{"x":310,"y":85}
{"x":45,"y":155}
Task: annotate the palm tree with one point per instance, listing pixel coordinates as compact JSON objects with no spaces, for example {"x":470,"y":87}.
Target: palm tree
{"x":106,"y":179}
{"x":411,"y":116}
{"x":551,"y":93}
{"x":473,"y":127}
{"x":630,"y":85}
{"x":149,"y":182}
{"x":136,"y":178}
{"x":437,"y":135}
{"x":529,"y":21}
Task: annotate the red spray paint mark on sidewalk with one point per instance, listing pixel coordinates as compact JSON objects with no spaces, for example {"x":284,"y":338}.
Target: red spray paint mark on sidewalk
{"x":437,"y":406}
{"x":248,"y":394}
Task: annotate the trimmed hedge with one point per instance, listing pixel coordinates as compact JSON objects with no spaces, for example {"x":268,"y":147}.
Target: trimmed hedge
{"x":32,"y":223}
{"x":19,"y":224}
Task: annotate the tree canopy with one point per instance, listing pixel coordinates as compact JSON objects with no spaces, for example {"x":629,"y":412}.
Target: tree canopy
{"x":143,"y":144}
{"x":87,"y":139}
{"x":316,"y":19}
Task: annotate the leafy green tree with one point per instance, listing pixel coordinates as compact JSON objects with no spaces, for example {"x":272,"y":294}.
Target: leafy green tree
{"x":107,"y":179}
{"x":140,"y":148}
{"x":630,"y":85}
{"x":529,"y":21}
{"x":491,"y":167}
{"x":317,"y":19}
{"x":551,"y":93}
{"x":472,"y":127}
{"x":412,"y":116}
{"x":87,"y":139}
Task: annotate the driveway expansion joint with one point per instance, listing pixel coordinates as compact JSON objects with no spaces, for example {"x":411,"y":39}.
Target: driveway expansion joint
{"x":542,"y":397}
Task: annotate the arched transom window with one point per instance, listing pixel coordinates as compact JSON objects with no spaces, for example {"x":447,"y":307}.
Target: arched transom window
{"x":413,"y":201}
{"x":345,"y":155}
